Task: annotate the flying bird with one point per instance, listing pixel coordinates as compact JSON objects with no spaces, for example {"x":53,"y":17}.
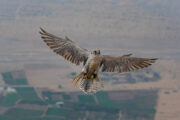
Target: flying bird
{"x":93,"y":62}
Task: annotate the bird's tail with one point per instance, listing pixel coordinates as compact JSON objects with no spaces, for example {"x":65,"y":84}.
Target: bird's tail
{"x":88,"y":85}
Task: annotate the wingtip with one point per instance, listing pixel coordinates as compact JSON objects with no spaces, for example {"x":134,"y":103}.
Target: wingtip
{"x":154,"y":59}
{"x":42,"y":30}
{"x":127,"y":55}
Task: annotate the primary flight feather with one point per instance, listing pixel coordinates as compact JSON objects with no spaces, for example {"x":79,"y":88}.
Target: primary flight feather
{"x":92,"y":61}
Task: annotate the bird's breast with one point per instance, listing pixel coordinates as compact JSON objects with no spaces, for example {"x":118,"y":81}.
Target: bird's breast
{"x":94,"y":65}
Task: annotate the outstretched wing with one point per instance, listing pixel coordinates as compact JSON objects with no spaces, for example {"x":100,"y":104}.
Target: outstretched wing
{"x":124,"y":63}
{"x":65,"y":47}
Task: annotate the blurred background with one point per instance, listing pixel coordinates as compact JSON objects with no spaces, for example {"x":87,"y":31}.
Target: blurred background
{"x":35,"y":83}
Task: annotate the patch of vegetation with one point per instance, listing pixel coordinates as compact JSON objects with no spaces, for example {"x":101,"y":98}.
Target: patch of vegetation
{"x":3,"y":118}
{"x":86,"y":99}
{"x":28,"y":96}
{"x":8,"y":78}
{"x":38,"y":102}
{"x":10,"y":99}
{"x":103,"y":99}
{"x":58,"y":111}
{"x":51,"y":118}
{"x":23,"y":113}
{"x":27,"y":93}
{"x":14,"y":118}
{"x":21,"y":81}
{"x":1,"y":98}
{"x":66,"y":96}
{"x":141,"y":106}
{"x":94,"y":108}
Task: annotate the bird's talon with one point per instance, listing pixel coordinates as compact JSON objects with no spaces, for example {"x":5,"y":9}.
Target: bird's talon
{"x":92,"y":77}
{"x":85,"y":76}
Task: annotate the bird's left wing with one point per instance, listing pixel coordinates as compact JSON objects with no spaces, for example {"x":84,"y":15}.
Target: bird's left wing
{"x":124,"y":63}
{"x":65,"y":47}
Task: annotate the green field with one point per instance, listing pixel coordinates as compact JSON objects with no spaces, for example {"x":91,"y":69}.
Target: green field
{"x":10,"y":99}
{"x":21,"y":81}
{"x":27,"y":93}
{"x":141,"y":105}
{"x":28,"y":96}
{"x":28,"y":118}
{"x":58,"y":111}
{"x":8,"y":78}
{"x":51,"y":118}
{"x":23,"y":113}
{"x":86,"y":99}
{"x":66,"y":96}
{"x":103,"y":99}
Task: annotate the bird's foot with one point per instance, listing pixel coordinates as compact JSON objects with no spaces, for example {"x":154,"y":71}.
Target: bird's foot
{"x":85,"y":76}
{"x":101,"y":83}
{"x":92,"y":77}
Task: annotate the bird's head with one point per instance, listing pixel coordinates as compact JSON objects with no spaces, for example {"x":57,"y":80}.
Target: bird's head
{"x":96,"y":52}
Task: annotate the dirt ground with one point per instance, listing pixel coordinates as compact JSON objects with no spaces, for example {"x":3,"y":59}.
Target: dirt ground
{"x":168,"y":107}
{"x":51,"y":78}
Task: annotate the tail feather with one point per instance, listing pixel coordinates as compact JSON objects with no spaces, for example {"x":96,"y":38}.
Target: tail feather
{"x":88,"y":85}
{"x":77,"y":79}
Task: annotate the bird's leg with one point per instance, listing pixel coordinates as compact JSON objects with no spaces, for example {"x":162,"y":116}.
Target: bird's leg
{"x":77,"y":81}
{"x":85,"y":76}
{"x":94,"y":86}
{"x":92,"y":77}
{"x":100,"y":81}
{"x":74,"y":79}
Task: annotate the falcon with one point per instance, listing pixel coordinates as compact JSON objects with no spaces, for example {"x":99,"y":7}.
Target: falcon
{"x":88,"y":79}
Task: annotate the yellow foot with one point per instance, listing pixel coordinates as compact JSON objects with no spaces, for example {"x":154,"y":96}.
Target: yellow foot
{"x":85,"y":76}
{"x":92,"y":77}
{"x":94,"y":86}
{"x":73,"y":80}
{"x":101,"y":83}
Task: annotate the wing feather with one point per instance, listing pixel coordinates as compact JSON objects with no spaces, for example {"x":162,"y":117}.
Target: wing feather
{"x":65,"y":47}
{"x":125,"y":63}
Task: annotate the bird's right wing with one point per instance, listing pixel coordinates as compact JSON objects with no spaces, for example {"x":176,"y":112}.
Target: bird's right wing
{"x":65,"y":47}
{"x":124,"y":63}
